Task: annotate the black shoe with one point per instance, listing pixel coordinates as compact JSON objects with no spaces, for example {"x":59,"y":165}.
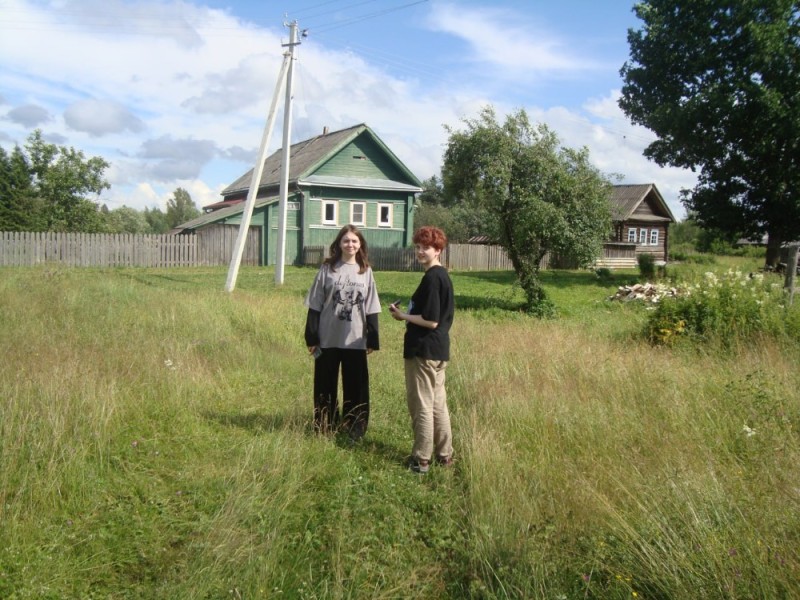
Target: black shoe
{"x":419,"y":466}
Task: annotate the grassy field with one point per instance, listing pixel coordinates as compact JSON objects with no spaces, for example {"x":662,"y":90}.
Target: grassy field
{"x":156,"y":442}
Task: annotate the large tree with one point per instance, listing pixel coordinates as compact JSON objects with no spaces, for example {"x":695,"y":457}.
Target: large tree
{"x":156,"y":219}
{"x":45,"y":187}
{"x":718,"y":81}
{"x":181,"y":208}
{"x":20,"y":208}
{"x":538,"y":196}
{"x":63,"y":178}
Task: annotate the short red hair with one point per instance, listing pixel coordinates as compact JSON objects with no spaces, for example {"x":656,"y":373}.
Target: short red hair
{"x":430,"y":236}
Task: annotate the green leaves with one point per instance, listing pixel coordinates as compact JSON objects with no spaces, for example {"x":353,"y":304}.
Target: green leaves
{"x":46,"y":187}
{"x":538,"y":196}
{"x":719,"y":84}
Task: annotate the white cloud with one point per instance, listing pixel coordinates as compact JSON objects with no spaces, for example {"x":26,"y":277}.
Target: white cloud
{"x":176,"y":95}
{"x":503,"y":40}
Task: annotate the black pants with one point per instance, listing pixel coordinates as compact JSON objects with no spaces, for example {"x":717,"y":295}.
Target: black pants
{"x":355,"y":391}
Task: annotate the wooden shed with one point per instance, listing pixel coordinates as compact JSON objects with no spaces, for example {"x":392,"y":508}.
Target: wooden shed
{"x":340,"y":177}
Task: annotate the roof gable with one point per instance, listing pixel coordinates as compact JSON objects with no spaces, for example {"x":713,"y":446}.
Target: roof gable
{"x":630,"y":201}
{"x":329,"y":154}
{"x":362,"y":158}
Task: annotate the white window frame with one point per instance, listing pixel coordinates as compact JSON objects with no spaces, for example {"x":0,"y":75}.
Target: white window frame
{"x":632,"y":235}
{"x":363,"y":220}
{"x":643,"y":237}
{"x":325,"y":204}
{"x":390,"y":220}
{"x":654,"y":237}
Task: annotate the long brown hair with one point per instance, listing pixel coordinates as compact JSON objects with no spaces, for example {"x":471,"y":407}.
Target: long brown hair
{"x":335,"y":250}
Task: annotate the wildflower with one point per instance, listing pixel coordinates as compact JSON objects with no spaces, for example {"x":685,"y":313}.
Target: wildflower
{"x":134,"y":444}
{"x":168,"y":363}
{"x":748,"y":431}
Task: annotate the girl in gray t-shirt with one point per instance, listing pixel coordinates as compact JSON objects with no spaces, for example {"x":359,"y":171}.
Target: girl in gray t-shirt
{"x":341,"y":329}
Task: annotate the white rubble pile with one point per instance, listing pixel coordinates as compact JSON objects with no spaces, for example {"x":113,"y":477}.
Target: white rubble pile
{"x":647,"y":292}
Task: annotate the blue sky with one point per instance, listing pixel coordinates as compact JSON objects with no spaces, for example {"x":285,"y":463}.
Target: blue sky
{"x":176,"y":94}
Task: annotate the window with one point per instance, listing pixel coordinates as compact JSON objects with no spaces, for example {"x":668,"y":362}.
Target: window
{"x":643,"y":236}
{"x":358,"y":213}
{"x":330,"y":212}
{"x":632,"y":235}
{"x":654,"y":237}
{"x":384,"y":215}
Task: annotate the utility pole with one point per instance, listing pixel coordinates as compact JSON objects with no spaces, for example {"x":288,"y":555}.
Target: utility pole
{"x":791,"y":271}
{"x":258,"y":169}
{"x":280,"y":254}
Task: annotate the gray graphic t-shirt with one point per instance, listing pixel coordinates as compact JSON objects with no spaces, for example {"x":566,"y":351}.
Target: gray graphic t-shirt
{"x":344,"y":298}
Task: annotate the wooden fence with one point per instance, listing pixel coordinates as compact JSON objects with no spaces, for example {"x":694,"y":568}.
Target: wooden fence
{"x":456,"y":257}
{"x":213,"y":246}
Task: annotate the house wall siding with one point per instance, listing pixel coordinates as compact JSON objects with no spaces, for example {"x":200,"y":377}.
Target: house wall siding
{"x":361,"y":158}
{"x":659,"y":251}
{"x":316,"y":233}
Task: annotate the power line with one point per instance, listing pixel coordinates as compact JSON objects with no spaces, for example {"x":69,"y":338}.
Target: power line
{"x":365,"y":17}
{"x":296,"y":14}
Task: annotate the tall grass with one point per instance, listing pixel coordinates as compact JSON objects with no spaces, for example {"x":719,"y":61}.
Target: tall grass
{"x":155,"y":441}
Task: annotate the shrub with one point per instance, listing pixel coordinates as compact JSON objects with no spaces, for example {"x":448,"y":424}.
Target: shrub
{"x":678,"y":255}
{"x":689,"y":256}
{"x":727,"y":307}
{"x":701,"y":259}
{"x":603,"y":273}
{"x":647,"y":266}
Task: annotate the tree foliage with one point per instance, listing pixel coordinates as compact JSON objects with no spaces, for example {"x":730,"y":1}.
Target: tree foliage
{"x":719,"y":84}
{"x":45,"y":188}
{"x":538,"y":196}
{"x":156,"y":219}
{"x":460,"y":220}
{"x":20,"y":207}
{"x":181,"y":208}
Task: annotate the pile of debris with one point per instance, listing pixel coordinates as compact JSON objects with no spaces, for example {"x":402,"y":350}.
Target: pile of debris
{"x":647,"y":292}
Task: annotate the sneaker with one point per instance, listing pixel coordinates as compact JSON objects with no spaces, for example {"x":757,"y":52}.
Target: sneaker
{"x":419,"y":466}
{"x":444,"y":461}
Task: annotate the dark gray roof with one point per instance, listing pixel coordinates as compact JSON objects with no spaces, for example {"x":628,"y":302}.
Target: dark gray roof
{"x":305,"y":156}
{"x":627,"y":198}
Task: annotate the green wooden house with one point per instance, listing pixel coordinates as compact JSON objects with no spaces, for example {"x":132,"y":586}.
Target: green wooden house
{"x":339,"y":177}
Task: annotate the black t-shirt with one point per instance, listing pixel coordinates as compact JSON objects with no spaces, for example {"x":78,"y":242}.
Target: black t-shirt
{"x":433,"y":300}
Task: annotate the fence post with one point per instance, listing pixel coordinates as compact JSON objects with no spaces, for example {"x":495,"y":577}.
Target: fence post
{"x":791,"y":271}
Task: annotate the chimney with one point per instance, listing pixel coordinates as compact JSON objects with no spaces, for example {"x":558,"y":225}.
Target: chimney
{"x":325,"y":130}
